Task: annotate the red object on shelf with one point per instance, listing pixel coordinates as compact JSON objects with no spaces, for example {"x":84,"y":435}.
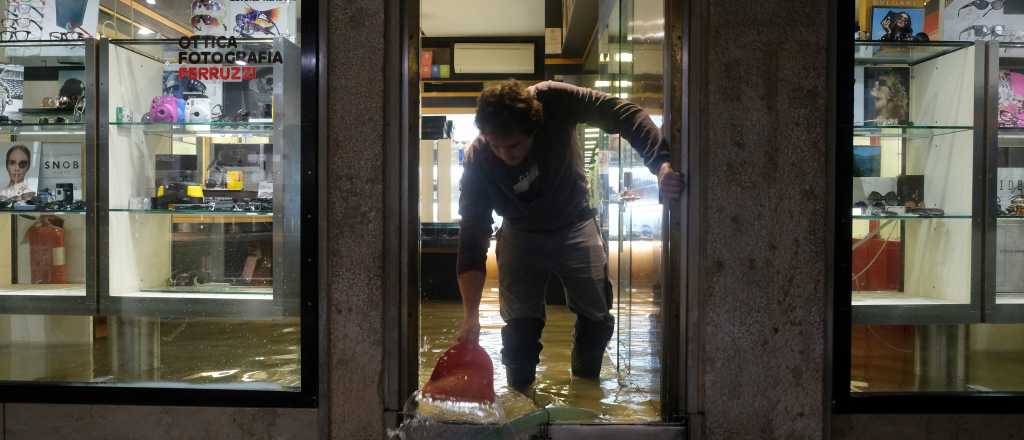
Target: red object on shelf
{"x":463,"y":374}
{"x":886,"y":272}
{"x":46,"y":243}
{"x":426,"y":59}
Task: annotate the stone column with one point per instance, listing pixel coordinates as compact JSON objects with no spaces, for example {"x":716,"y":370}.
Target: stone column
{"x":758,"y":213}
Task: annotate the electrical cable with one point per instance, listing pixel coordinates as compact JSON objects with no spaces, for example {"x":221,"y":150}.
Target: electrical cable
{"x":871,"y":330}
{"x":885,"y":243}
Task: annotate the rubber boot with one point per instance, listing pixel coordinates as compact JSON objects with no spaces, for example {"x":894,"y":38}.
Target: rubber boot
{"x":520,"y":352}
{"x":589,"y":341}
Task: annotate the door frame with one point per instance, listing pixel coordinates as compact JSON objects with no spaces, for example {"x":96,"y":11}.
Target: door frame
{"x":401,"y":201}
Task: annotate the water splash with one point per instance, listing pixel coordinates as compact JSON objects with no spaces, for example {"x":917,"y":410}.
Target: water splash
{"x":454,"y":411}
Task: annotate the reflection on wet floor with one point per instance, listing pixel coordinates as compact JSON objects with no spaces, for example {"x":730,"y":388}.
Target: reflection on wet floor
{"x":249,"y":354}
{"x":632,"y":396}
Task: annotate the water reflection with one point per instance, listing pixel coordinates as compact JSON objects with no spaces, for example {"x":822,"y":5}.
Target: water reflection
{"x":629,"y":397}
{"x":259,"y":354}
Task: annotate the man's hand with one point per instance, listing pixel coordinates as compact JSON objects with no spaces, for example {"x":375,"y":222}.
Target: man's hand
{"x":469,"y":332}
{"x":670,"y":182}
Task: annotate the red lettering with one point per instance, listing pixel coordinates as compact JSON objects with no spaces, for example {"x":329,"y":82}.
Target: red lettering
{"x":215,"y":72}
{"x":250,"y":73}
{"x":182,"y":72}
{"x":192,"y":72}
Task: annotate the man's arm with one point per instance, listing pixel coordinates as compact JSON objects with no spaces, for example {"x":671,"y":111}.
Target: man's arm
{"x":471,"y":287}
{"x":475,"y":207}
{"x":618,"y":116}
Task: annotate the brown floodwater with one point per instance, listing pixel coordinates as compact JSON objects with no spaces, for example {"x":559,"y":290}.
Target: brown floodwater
{"x":628,"y":390}
{"x":265,"y":355}
{"x":248,"y":354}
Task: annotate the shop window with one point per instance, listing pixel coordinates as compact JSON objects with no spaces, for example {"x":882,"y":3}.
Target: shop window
{"x":929,"y":187}
{"x":150,"y":232}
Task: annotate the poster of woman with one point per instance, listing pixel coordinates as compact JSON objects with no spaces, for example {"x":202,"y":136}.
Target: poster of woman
{"x":22,"y":179}
{"x":886,"y":95}
{"x":896,"y":24}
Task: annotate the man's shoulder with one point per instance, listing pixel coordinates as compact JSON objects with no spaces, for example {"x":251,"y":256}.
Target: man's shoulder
{"x":477,"y":152}
{"x":546,"y":88}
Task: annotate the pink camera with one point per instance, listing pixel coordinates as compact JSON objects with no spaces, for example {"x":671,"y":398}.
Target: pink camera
{"x":166,"y":109}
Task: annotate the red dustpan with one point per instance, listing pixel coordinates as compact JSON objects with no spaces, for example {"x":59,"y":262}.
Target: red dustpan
{"x":463,"y":374}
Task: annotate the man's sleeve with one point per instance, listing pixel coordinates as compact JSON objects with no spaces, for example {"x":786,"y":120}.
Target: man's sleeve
{"x":475,"y":208}
{"x":615,"y":116}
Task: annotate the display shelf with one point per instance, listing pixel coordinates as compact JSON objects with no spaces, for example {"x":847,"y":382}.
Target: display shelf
{"x":908,"y":131}
{"x":903,"y":53}
{"x":46,"y":111}
{"x":1009,"y":298}
{"x":203,"y":292}
{"x":911,"y":217}
{"x":896,"y":299}
{"x":1010,"y":218}
{"x":200,"y":128}
{"x":196,"y":213}
{"x":1011,"y":133}
{"x":42,"y":211}
{"x":57,"y":129}
{"x":43,"y":290}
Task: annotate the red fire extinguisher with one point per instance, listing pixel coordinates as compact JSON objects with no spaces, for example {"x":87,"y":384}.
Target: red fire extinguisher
{"x":46,"y":241}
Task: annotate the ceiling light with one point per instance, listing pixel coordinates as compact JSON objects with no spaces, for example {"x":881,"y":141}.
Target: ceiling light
{"x":591,"y":135}
{"x":152,"y":2}
{"x":602,"y":83}
{"x":145,"y":31}
{"x":624,"y":57}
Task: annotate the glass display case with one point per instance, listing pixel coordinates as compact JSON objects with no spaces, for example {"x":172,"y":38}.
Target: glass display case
{"x":1005,"y":210}
{"x":917,"y":214}
{"x":47,"y":196}
{"x":199,"y":202}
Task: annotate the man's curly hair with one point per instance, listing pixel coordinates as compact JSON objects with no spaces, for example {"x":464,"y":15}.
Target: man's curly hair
{"x":506,"y":108}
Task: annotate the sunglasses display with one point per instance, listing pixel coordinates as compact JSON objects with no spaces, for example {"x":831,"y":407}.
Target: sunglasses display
{"x":983,"y":5}
{"x":72,"y":35}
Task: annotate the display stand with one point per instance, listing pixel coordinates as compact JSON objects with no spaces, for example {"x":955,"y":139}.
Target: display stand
{"x":183,"y":239}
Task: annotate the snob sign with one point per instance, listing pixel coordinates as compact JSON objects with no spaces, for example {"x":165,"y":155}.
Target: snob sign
{"x":244,"y":18}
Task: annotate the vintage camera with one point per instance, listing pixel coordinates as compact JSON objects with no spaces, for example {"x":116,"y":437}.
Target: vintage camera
{"x":65,"y":192}
{"x":167,"y":109}
{"x":198,"y":110}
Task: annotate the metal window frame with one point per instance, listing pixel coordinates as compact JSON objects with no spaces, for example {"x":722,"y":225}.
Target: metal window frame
{"x":840,"y":317}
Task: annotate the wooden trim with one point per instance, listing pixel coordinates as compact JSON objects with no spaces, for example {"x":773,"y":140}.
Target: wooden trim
{"x":448,"y":110}
{"x":563,"y":60}
{"x":136,"y":6}
{"x":449,"y":94}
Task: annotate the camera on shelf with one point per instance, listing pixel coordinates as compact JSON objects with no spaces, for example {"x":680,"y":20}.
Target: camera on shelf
{"x":166,"y":109}
{"x":198,"y":110}
{"x":173,"y":194}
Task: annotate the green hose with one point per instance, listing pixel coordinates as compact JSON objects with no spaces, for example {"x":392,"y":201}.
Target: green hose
{"x":544,"y":416}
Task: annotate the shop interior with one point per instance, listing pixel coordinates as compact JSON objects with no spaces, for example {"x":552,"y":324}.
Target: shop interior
{"x":612,"y":46}
{"x":937,"y":197}
{"x":142,"y":232}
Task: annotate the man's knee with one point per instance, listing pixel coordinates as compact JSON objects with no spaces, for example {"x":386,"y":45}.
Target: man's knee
{"x":520,"y":340}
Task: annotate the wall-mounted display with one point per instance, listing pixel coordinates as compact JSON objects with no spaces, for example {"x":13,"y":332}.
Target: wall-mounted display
{"x":916,"y":223}
{"x":45,"y":196}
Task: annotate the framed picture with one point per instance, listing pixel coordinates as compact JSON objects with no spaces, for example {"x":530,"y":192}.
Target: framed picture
{"x":867,"y":161}
{"x":886,"y":95}
{"x":22,"y":165}
{"x":896,"y":24}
